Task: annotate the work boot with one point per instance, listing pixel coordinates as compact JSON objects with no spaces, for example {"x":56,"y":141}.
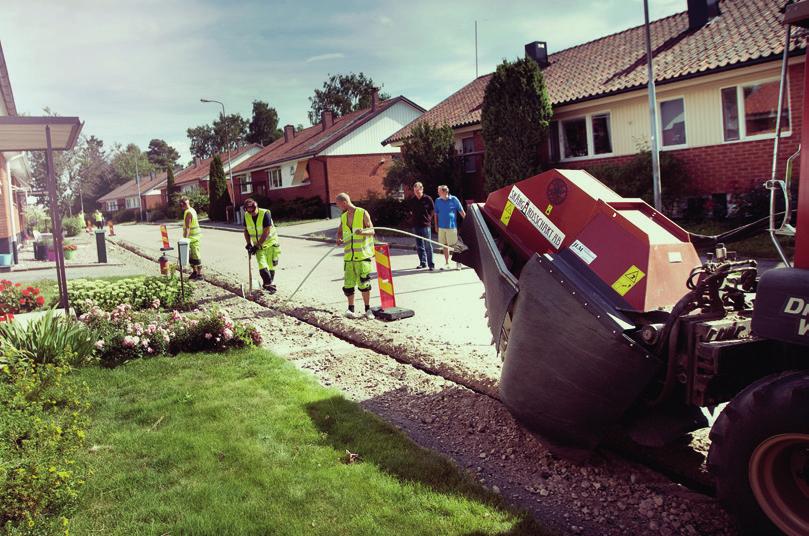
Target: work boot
{"x":266,"y":278}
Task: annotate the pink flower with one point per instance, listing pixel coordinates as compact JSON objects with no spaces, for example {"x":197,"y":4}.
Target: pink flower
{"x":227,"y":334}
{"x":150,"y":350}
{"x":100,"y":344}
{"x":208,"y":336}
{"x":156,"y":303}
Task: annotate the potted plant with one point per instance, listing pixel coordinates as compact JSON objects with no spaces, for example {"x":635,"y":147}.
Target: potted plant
{"x":70,"y":250}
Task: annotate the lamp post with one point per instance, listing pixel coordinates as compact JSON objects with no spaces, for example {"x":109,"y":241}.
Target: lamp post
{"x":137,"y":181}
{"x":227,"y":144}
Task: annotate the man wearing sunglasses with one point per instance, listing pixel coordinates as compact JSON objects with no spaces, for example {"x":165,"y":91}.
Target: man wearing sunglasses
{"x":262,"y":241}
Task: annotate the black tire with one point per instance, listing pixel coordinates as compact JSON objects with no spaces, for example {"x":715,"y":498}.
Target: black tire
{"x":774,"y":405}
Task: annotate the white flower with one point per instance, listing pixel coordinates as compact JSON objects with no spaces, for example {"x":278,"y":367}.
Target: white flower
{"x":100,"y":344}
{"x":208,"y":335}
{"x":227,"y":334}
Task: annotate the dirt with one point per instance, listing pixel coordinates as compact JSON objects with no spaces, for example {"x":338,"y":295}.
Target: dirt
{"x":421,"y":392}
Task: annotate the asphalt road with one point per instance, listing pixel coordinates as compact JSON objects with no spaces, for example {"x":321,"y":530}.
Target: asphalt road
{"x":447,"y":304}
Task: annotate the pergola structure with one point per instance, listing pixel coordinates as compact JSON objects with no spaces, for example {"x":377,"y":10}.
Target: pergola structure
{"x":46,"y":134}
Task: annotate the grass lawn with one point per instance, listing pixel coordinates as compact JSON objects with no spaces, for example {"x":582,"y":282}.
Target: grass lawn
{"x":759,"y":246}
{"x":243,"y":443}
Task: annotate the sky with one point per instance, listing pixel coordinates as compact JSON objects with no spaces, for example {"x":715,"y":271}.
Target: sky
{"x":134,"y":71}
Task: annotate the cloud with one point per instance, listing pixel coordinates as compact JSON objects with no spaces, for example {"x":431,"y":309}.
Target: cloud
{"x":323,"y":57}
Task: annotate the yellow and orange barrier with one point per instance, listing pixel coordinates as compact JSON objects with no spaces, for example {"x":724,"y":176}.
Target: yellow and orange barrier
{"x":384,"y":275}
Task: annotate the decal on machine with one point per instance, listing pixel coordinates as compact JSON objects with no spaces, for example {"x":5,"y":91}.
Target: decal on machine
{"x":505,"y":217}
{"x":537,"y":217}
{"x":629,"y":279}
{"x":583,"y":252}
{"x":800,"y":308}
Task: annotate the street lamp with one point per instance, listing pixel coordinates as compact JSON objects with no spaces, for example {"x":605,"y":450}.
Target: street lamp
{"x":227,"y":143}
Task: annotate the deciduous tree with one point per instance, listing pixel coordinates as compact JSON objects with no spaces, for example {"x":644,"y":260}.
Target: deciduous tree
{"x":342,"y":94}
{"x":515,"y":116}
{"x":161,"y":154}
{"x":264,"y":124}
{"x":208,"y":140}
{"x":428,"y":155}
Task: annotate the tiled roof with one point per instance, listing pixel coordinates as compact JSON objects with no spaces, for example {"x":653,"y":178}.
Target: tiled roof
{"x":314,"y":139}
{"x":130,"y":188}
{"x":745,"y":32}
{"x":194,"y":173}
{"x":5,"y":86}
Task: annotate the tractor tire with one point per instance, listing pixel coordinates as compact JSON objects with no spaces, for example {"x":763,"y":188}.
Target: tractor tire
{"x":759,"y":455}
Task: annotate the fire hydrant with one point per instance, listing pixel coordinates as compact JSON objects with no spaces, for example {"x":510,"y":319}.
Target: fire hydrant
{"x":164,"y":264}
{"x":112,"y":229}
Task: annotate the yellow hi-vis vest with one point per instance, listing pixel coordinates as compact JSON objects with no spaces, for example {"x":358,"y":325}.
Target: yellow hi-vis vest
{"x":255,"y":228}
{"x":97,"y":215}
{"x":357,"y":247}
{"x":193,"y":229}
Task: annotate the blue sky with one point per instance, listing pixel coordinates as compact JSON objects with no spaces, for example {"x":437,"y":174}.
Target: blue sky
{"x":134,"y":71}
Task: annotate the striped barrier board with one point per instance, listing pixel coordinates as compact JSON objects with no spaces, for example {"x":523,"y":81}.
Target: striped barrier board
{"x":164,"y":235}
{"x":384,"y":279}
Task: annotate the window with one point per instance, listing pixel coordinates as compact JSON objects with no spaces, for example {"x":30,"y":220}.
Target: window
{"x":112,"y":206}
{"x":469,"y":162}
{"x":583,"y":136}
{"x":275,"y":178}
{"x":553,"y":141}
{"x":246,"y":183}
{"x":672,"y":122}
{"x":132,"y":202}
{"x":750,"y":110}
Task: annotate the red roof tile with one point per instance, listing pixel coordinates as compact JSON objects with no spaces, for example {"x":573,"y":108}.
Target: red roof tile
{"x":314,"y":139}
{"x":194,"y":173}
{"x":746,"y":32}
{"x":130,"y":188}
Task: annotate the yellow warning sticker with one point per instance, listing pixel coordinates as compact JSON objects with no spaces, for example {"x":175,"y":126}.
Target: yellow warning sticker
{"x":630,"y":278}
{"x":506,"y":216}
{"x":548,"y":210}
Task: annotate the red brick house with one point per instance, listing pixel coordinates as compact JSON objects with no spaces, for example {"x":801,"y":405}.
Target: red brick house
{"x":195,"y":176}
{"x":336,"y":155}
{"x":152,"y":195}
{"x":717,"y":69}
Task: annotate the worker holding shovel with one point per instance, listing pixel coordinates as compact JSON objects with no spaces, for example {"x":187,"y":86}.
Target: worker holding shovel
{"x":262,"y":241}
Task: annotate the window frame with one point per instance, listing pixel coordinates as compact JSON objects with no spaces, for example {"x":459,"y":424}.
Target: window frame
{"x":685,"y":118}
{"x":588,"y":124}
{"x":246,"y":184}
{"x":468,"y":157}
{"x":135,"y":202}
{"x":743,"y":113}
{"x":112,"y":206}
{"x":271,"y":179}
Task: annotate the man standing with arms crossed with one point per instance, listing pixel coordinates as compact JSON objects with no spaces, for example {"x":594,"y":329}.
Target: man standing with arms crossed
{"x":356,"y":234}
{"x":421,"y":210}
{"x":262,"y":241}
{"x":446,"y":209}
{"x":192,"y":232}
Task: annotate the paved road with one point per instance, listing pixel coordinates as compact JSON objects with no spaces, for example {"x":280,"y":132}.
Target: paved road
{"x":447,"y":303}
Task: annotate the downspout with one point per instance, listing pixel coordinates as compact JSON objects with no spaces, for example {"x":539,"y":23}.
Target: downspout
{"x":11,"y":208}
{"x":326,"y":180}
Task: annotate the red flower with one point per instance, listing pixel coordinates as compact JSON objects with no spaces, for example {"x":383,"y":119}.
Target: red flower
{"x":40,"y":300}
{"x":35,"y":291}
{"x":2,"y":288}
{"x":22,"y":301}
{"x":26,"y":291}
{"x":15,"y":284}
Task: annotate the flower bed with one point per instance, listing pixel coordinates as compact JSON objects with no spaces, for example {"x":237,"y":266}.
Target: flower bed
{"x":138,"y":292}
{"x":124,"y":334}
{"x":15,"y":299}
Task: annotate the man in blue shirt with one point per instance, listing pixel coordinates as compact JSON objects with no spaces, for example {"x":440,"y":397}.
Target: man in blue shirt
{"x":446,"y":209}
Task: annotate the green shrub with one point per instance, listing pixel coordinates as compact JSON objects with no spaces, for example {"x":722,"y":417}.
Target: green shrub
{"x":72,"y":226}
{"x":42,"y":426}
{"x":125,"y":215}
{"x":123,"y":334}
{"x":634,"y":178}
{"x":386,"y":211}
{"x":139,"y":292}
{"x":300,"y":208}
{"x":50,"y":339}
{"x":38,"y":219}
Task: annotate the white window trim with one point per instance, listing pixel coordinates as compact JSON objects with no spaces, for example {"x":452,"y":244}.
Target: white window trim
{"x":660,"y":124}
{"x":743,"y":137}
{"x":112,"y":205}
{"x":588,"y":124}
{"x":246,"y":184}
{"x":270,"y":184}
{"x":133,"y":201}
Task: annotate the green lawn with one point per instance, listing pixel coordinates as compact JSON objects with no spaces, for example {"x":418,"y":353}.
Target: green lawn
{"x":243,"y":443}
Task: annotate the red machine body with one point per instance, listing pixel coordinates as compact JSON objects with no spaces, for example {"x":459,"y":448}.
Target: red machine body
{"x":570,"y":211}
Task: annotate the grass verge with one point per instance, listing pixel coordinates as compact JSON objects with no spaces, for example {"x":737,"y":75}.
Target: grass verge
{"x":242,"y":443}
{"x":757,"y":247}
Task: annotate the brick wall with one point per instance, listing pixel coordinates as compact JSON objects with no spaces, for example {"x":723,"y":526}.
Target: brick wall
{"x":357,"y":175}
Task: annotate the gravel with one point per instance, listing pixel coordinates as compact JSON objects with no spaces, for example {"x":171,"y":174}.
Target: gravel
{"x":421,"y":393}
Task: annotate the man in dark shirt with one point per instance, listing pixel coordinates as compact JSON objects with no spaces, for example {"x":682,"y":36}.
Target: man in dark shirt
{"x":421,"y":211}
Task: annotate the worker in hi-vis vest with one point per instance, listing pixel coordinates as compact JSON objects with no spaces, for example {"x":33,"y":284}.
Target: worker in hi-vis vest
{"x":356,"y":233}
{"x":98,"y":218}
{"x":262,"y":241}
{"x":191,"y":231}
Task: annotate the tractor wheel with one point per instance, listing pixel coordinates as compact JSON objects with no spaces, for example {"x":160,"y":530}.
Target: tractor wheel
{"x":760,"y":455}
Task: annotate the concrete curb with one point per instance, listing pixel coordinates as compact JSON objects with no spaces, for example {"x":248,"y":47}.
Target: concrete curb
{"x":91,"y":265}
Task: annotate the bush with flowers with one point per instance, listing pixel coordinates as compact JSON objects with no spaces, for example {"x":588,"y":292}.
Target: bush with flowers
{"x":139,"y":292}
{"x":16,"y":299}
{"x":124,"y":334}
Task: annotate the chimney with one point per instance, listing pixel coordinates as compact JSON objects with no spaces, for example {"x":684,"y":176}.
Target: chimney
{"x":700,"y":12}
{"x":289,"y":133}
{"x":538,"y":51}
{"x":374,"y":99}
{"x":326,"y":119}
